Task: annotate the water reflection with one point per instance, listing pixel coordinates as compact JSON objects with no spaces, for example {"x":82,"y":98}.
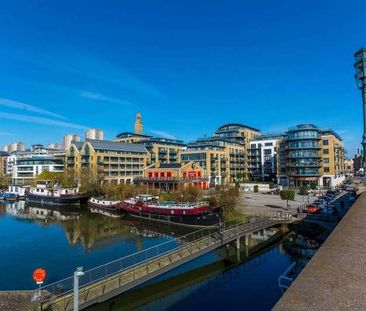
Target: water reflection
{"x":216,"y":281}
{"x":60,"y":238}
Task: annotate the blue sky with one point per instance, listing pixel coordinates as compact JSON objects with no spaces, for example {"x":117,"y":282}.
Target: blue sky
{"x":187,"y":66}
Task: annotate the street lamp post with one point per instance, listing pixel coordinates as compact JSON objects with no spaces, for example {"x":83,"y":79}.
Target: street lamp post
{"x":77,"y":274}
{"x":360,"y":76}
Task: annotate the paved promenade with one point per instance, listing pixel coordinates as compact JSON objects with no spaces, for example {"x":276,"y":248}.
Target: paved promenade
{"x":335,"y":278}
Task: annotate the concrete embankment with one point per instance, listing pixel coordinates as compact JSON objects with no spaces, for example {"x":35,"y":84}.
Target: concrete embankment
{"x":335,"y":278}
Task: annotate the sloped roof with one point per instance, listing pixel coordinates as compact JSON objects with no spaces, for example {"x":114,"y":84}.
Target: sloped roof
{"x":78,"y":144}
{"x":116,"y":146}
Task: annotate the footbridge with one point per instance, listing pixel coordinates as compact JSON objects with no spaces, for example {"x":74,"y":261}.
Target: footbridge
{"x":106,"y":281}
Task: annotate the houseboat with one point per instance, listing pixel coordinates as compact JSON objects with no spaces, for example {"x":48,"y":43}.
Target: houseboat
{"x":7,"y":196}
{"x":14,"y":193}
{"x":104,"y":204}
{"x":19,"y":191}
{"x":48,"y":192}
{"x":188,"y":214}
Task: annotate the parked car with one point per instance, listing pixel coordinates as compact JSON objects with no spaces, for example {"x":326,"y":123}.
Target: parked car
{"x":312,"y":209}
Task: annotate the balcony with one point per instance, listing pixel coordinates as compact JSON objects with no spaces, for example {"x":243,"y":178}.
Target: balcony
{"x":85,"y":160}
{"x":304,"y":174}
{"x":303,"y":156}
{"x":315,"y":164}
{"x":303,"y":147}
{"x":305,"y":137}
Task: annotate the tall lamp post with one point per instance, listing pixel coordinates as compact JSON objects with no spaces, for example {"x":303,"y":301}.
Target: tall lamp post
{"x":360,"y":76}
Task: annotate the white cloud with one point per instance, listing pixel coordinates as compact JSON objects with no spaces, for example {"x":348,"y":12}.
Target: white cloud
{"x":39,"y":120}
{"x":102,"y":97}
{"x":162,"y":134}
{"x":22,"y":106}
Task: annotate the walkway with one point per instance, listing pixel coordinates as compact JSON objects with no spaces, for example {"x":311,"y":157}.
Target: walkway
{"x":114,"y":278}
{"x":335,"y":278}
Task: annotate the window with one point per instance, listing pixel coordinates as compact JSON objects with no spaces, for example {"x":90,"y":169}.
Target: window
{"x":268,"y":144}
{"x":326,"y":160}
{"x":267,"y":151}
{"x":325,"y":151}
{"x":326,"y":169}
{"x":325,"y":142}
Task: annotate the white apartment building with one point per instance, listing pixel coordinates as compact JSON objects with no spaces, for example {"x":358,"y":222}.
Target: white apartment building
{"x":94,"y":134}
{"x":16,"y":146}
{"x":262,"y":154}
{"x":68,"y":139}
{"x":27,"y":165}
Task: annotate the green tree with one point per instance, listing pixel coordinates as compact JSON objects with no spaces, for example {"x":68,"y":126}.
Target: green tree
{"x":188,"y":194}
{"x":90,"y":183}
{"x":5,"y":182}
{"x":287,"y":194}
{"x":227,"y":199}
{"x":69,"y":178}
{"x":47,"y":175}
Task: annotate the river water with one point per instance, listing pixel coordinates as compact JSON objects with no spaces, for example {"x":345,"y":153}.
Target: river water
{"x":59,"y":240}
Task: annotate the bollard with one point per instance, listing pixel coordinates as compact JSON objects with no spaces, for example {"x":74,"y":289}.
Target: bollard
{"x":77,"y":274}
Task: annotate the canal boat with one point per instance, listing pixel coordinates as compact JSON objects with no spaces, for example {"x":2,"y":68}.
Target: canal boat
{"x":14,"y":193}
{"x":187,"y":213}
{"x":49,"y":192}
{"x":7,"y":196}
{"x":103,"y":203}
{"x":19,"y":191}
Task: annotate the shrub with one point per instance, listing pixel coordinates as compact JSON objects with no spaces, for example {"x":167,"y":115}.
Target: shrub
{"x":303,"y":191}
{"x":287,"y":194}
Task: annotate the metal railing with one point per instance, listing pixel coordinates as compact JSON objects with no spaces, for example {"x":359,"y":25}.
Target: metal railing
{"x":133,"y":263}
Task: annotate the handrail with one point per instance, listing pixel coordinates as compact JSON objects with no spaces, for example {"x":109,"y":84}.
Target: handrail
{"x":144,"y":257}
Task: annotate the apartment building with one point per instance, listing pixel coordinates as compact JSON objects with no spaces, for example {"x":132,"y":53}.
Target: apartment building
{"x":333,"y":159}
{"x":110,"y":161}
{"x":94,"y":134}
{"x":15,"y":146}
{"x":349,"y":167}
{"x":263,"y":157}
{"x":314,"y":156}
{"x":66,"y":143}
{"x":25,"y":166}
{"x":221,"y":160}
{"x":161,"y":149}
{"x":3,"y":157}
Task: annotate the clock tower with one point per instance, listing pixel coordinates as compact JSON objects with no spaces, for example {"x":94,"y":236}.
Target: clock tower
{"x":138,"y":124}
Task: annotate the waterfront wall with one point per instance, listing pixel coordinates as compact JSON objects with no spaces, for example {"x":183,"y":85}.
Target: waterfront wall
{"x":335,"y":278}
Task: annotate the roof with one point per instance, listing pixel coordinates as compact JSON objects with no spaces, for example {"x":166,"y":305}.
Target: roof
{"x":78,"y":144}
{"x":163,"y":140}
{"x":131,"y":134}
{"x":331,"y":132}
{"x":239,"y":125}
{"x":303,"y":127}
{"x":3,"y":154}
{"x":169,"y":165}
{"x":116,"y":146}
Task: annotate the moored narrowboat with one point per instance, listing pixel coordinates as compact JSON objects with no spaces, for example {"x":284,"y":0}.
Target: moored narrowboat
{"x":187,"y":213}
